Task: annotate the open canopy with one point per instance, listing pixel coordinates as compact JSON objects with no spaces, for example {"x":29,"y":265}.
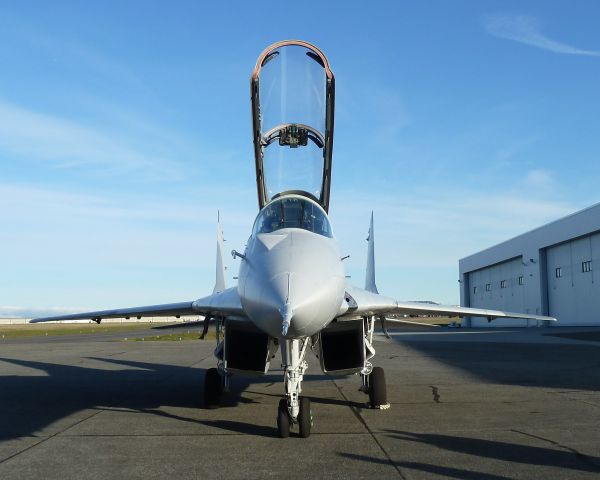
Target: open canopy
{"x":292,"y":91}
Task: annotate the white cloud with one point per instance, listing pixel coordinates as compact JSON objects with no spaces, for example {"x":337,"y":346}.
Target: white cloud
{"x":67,"y":144}
{"x":435,"y":228}
{"x":48,"y":228}
{"x":525,"y":29}
{"x":101,"y":250}
{"x":34,"y":203}
{"x":514,"y":148}
{"x":539,"y":179}
{"x":63,"y":47}
{"x":105,"y":251}
{"x":374,"y":107}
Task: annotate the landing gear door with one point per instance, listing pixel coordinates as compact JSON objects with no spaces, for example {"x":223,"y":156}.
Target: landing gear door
{"x":293,"y":90}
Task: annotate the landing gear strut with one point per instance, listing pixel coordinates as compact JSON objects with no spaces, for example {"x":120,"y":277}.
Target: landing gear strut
{"x":373,"y":378}
{"x":294,"y":409}
{"x":216,"y":380}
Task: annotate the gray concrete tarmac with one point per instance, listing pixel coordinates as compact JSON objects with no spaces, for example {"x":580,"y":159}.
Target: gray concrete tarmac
{"x":466,"y":404}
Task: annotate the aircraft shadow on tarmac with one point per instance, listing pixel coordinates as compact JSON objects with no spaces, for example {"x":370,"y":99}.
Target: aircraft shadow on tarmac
{"x":30,"y":403}
{"x":490,"y":449}
{"x":549,"y":365}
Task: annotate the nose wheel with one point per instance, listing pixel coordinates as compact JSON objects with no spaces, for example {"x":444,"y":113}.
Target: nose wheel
{"x":283,"y":419}
{"x":304,"y":419}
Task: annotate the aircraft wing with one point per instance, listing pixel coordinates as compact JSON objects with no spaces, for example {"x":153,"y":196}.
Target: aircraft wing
{"x":223,"y":301}
{"x":226,"y":302}
{"x":359,"y":302}
{"x":368,"y":301}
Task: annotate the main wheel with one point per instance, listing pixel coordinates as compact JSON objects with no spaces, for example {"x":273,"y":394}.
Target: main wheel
{"x":283,"y":419}
{"x":213,"y":388}
{"x":377,"y":388}
{"x":305,"y":417}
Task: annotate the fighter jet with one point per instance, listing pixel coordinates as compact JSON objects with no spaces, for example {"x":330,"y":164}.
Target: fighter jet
{"x":292,"y":292}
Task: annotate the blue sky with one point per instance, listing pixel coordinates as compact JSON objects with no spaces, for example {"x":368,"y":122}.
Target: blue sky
{"x":125,"y":126}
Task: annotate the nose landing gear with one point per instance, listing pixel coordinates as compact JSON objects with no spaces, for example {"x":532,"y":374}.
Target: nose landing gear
{"x":304,"y":418}
{"x":294,"y":409}
{"x":283,"y":419}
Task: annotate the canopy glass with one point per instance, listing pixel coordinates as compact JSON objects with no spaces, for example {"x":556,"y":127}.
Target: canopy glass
{"x":292,"y":212}
{"x":292,"y":106}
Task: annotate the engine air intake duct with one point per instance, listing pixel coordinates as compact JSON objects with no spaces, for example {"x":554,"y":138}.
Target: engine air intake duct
{"x":342,"y":348}
{"x":246,"y":347}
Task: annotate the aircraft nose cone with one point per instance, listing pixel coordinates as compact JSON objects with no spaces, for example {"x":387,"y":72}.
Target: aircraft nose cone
{"x":295,"y":287}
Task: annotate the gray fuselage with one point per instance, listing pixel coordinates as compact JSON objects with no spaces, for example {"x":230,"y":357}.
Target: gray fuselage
{"x":291,"y":279}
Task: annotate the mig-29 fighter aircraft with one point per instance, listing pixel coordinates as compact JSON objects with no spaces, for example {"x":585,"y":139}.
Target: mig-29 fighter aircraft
{"x":292,"y":292}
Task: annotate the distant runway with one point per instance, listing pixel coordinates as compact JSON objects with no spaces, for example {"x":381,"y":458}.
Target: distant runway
{"x":465,"y":404}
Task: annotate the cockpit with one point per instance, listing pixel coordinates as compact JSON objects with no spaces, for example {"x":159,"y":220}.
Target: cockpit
{"x":292,"y":212}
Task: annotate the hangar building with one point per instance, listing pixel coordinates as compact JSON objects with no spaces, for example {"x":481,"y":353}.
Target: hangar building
{"x":552,"y":270}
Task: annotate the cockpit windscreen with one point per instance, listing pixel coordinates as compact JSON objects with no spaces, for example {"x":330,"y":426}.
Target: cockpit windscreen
{"x":292,"y":212}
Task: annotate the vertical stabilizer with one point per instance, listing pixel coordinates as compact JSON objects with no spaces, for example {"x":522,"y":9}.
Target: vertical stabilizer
{"x":370,"y":276}
{"x":220,"y":268}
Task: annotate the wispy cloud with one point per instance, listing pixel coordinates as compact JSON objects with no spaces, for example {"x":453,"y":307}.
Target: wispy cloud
{"x":438,"y":227}
{"x":375,"y":106}
{"x":61,"y":208}
{"x":67,"y":144}
{"x":540,"y":179}
{"x":526,"y":29}
{"x":101,"y":250}
{"x":515,"y":147}
{"x":48,"y":228}
{"x":61,"y":47}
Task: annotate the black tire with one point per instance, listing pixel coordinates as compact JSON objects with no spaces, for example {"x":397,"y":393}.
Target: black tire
{"x":283,"y":419}
{"x":377,"y":388}
{"x":213,"y":388}
{"x":305,"y":417}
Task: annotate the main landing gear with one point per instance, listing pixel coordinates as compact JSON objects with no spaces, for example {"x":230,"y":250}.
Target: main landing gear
{"x":374,"y":385}
{"x":294,"y":409}
{"x":377,"y":389}
{"x":373,"y":378}
{"x":213,"y":388}
{"x":216,"y":380}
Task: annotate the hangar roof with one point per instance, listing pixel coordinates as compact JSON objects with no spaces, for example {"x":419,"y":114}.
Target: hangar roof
{"x":567,"y":228}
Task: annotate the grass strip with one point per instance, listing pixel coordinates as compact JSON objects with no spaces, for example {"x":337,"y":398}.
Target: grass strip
{"x":55,"y":329}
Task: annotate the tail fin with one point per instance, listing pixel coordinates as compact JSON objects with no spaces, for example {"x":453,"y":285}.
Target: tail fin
{"x":220,"y":269}
{"x":370,"y":276}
